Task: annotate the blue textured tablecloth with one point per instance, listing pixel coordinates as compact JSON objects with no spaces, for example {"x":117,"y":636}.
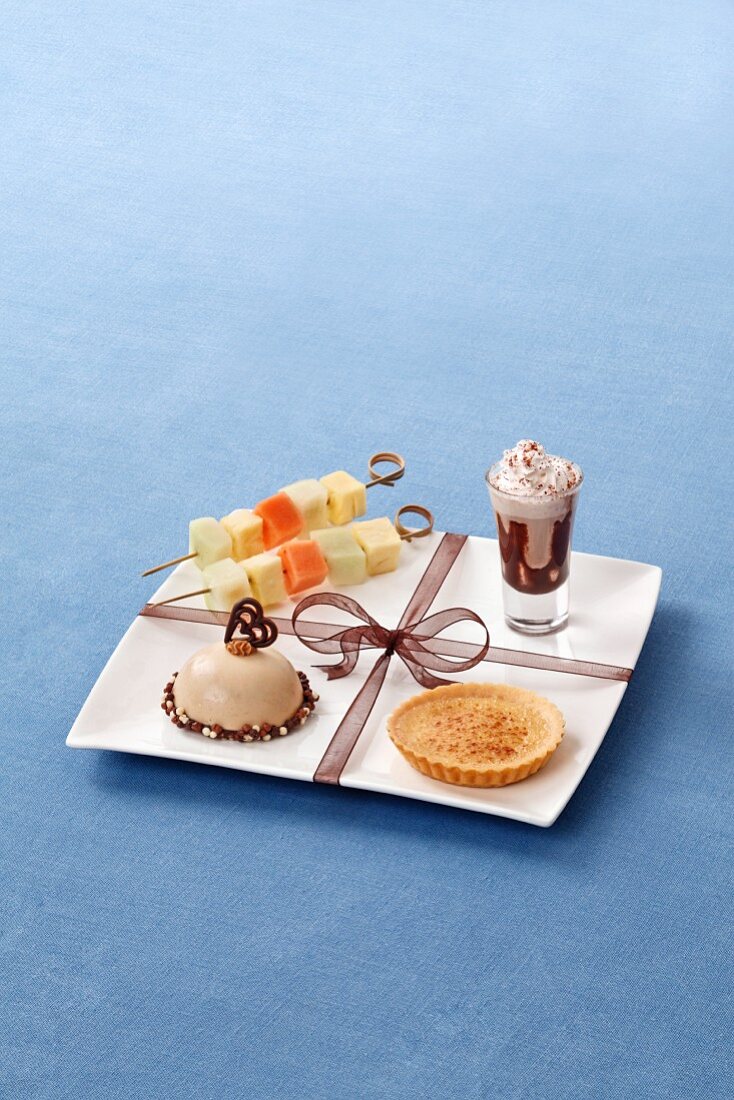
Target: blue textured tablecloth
{"x":244,"y":242}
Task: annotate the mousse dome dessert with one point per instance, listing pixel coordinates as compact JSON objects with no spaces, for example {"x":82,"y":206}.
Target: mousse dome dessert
{"x":229,"y":691}
{"x":240,"y":689}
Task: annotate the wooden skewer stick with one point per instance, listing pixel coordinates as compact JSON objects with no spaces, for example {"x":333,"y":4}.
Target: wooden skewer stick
{"x":410,"y":533}
{"x":388,"y":478}
{"x":183,"y":596}
{"x":392,"y":476}
{"x":406,"y":533}
{"x":168,"y":564}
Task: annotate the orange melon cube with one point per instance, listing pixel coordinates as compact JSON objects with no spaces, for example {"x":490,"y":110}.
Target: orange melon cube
{"x":304,"y":566}
{"x":281,"y":519}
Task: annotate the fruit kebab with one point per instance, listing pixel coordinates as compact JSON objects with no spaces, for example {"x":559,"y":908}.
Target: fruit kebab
{"x":292,"y":513}
{"x":345,"y":555}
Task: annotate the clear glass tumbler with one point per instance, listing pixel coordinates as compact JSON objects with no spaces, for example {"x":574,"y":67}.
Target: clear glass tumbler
{"x":535,"y":547}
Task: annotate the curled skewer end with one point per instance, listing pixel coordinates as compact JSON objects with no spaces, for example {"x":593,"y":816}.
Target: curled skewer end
{"x":391,"y":476}
{"x":410,"y":533}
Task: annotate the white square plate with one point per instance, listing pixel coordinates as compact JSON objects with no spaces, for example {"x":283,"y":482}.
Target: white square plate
{"x":612,"y":604}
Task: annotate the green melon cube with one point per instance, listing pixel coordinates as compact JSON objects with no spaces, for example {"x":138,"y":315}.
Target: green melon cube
{"x":344,"y":556}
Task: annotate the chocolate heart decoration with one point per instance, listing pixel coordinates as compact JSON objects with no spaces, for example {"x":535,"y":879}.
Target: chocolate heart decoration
{"x":248,"y":618}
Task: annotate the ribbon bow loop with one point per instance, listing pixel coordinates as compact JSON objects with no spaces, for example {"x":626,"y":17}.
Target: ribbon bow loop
{"x":407,"y":641}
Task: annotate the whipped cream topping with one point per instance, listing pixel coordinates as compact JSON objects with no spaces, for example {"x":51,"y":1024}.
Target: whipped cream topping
{"x":527,"y":471}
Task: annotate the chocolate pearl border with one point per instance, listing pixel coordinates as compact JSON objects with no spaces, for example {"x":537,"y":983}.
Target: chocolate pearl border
{"x":265,"y":732}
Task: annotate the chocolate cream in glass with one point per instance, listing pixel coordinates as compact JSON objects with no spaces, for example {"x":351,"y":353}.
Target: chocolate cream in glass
{"x":534,"y":497}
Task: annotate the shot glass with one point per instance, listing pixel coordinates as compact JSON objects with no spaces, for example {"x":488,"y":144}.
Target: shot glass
{"x":535,"y":547}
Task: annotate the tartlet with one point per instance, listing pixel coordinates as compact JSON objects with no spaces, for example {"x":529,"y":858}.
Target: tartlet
{"x":477,"y":735}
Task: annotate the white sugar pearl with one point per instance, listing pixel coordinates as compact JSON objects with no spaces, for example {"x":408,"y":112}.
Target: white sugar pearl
{"x":206,"y":731}
{"x":266,"y":737}
{"x":282,"y":731}
{"x":255,"y":729}
{"x":179,"y":711}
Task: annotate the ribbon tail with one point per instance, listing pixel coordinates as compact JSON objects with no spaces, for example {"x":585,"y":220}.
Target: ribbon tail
{"x":347,"y":732}
{"x":345,"y":666}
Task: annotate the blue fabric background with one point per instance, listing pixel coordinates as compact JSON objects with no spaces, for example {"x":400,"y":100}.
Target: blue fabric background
{"x":244,"y":242}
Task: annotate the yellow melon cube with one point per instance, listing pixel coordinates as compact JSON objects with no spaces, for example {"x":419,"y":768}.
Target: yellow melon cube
{"x":246,"y":531}
{"x":380,"y":542}
{"x":347,"y":497}
{"x":265,"y":574}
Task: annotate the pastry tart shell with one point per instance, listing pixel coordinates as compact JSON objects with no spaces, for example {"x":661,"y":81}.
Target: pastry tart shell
{"x":477,"y":735}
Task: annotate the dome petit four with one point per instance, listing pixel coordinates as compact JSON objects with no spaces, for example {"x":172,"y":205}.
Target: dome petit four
{"x":240,"y":689}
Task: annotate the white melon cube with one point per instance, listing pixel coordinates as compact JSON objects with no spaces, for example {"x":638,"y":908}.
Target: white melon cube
{"x":311,"y":499}
{"x":209,"y":540}
{"x":227,"y":582}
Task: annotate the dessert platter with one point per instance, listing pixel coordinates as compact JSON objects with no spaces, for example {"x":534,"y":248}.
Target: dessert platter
{"x":299,"y":639}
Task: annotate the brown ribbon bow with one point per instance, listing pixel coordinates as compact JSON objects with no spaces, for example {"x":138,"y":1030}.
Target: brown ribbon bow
{"x":406,"y":641}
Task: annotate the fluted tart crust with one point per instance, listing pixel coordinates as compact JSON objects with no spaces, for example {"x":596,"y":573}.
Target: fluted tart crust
{"x":477,"y":735}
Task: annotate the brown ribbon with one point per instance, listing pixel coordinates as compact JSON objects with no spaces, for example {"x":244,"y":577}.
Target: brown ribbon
{"x":349,"y":729}
{"x":413,"y":640}
{"x":496,"y":656}
{"x":407,"y":642}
